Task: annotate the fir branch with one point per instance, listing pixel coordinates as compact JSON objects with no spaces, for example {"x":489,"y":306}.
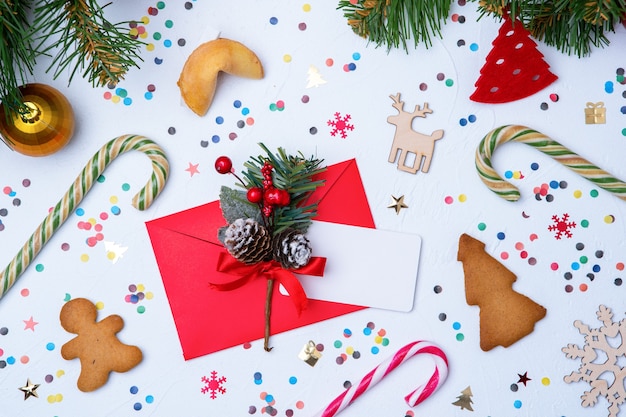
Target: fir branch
{"x":394,"y":23}
{"x":82,"y":39}
{"x":17,"y":56}
{"x":291,"y":173}
{"x":572,"y":27}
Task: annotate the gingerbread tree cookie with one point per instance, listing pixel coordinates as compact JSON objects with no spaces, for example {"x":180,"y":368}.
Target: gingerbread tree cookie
{"x":506,"y":316}
{"x":96,"y":344}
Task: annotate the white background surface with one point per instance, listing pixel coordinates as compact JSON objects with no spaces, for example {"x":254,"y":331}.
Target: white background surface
{"x":364,"y":94}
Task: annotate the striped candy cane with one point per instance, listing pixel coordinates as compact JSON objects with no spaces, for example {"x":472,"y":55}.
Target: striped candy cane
{"x":542,"y":143}
{"x":74,"y":195}
{"x":415,"y":397}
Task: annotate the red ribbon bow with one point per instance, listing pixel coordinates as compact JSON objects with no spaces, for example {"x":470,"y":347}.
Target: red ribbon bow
{"x":269,"y":270}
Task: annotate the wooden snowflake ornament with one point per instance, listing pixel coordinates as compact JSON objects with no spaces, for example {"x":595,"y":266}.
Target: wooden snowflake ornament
{"x":595,"y":371}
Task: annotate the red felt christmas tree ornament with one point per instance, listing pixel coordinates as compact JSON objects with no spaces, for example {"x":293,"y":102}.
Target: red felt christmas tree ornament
{"x":514,"y":68}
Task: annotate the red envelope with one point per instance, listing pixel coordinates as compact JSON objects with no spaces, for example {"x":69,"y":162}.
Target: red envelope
{"x":186,"y":248}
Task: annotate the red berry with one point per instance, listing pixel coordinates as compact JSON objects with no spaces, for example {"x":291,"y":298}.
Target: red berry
{"x":272,"y":196}
{"x":285,"y":198}
{"x":254,"y":195}
{"x":223,"y":165}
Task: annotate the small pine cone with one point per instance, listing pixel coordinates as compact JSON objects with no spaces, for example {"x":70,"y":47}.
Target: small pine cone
{"x":291,"y":248}
{"x":248,"y":241}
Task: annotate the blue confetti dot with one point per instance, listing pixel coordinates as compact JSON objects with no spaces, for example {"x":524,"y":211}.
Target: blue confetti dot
{"x":351,"y":66}
{"x":356,"y":56}
{"x":50,"y":346}
{"x":215,"y":139}
{"x":473,"y":47}
{"x":219,"y":120}
{"x":608,"y":87}
{"x":623,"y":109}
{"x":148,"y":95}
{"x":245,"y":111}
{"x":508,"y":174}
{"x":375,"y":350}
{"x":137,"y":406}
{"x":10,"y":360}
{"x":149,"y":399}
{"x":237,"y":104}
{"x":347,"y":332}
{"x":158,"y":61}
{"x":115,"y":210}
{"x":517,"y":404}
{"x":269,"y":398}
{"x":575,"y":266}
{"x":12,"y":194}
{"x":534,"y":166}
{"x":273,"y":20}
{"x":471,"y":118}
{"x":80,"y":212}
{"x":134,"y":390}
{"x":501,"y":235}
{"x":128,"y":101}
{"x":596,"y":268}
{"x":257,"y":375}
{"x":167,"y":43}
{"x":293,"y":380}
{"x":367,"y":331}
{"x":554,"y":184}
{"x":456,"y":325}
{"x":463,"y":122}
{"x":134,"y":299}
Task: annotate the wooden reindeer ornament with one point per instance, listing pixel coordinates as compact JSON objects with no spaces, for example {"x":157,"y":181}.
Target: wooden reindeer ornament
{"x":407,"y":140}
{"x":506,"y":316}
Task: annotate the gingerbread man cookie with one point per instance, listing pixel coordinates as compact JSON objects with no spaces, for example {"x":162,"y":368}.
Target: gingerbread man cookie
{"x":97,"y":346}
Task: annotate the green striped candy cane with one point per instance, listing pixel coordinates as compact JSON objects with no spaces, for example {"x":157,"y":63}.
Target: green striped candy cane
{"x":539,"y":141}
{"x":74,"y":195}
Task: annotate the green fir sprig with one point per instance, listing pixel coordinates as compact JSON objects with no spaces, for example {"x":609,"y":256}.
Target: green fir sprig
{"x":80,"y":38}
{"x":571,"y":26}
{"x":293,"y":174}
{"x":17,"y":56}
{"x":394,"y":23}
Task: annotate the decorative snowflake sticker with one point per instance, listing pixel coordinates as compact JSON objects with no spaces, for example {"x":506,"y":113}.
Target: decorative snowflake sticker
{"x":213,"y":385}
{"x":340,"y":125}
{"x":594,"y":368}
{"x":561,"y":226}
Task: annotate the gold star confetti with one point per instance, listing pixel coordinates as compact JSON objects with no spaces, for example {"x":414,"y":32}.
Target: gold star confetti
{"x":29,"y":389}
{"x":398,"y":204}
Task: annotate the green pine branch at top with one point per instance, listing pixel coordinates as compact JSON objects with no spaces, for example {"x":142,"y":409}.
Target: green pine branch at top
{"x":394,"y":23}
{"x":291,"y":173}
{"x":82,"y":39}
{"x":571,"y":26}
{"x":17,"y":56}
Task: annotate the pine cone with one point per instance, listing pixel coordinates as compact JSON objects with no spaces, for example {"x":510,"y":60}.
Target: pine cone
{"x":248,"y":241}
{"x":291,"y":248}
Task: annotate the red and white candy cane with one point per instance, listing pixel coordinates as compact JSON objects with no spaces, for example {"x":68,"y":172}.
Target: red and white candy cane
{"x":423,"y":391}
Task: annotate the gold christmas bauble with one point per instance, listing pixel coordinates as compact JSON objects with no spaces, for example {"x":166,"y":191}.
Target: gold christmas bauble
{"x":45,"y":126}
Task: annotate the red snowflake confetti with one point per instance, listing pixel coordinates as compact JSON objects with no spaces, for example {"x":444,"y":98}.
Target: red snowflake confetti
{"x":213,"y":385}
{"x":561,"y":226}
{"x":340,"y":125}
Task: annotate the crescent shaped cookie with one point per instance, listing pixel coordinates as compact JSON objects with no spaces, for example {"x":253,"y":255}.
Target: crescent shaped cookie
{"x":198,"y":79}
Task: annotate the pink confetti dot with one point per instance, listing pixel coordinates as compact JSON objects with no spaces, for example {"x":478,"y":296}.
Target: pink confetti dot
{"x":98,"y":227}
{"x":299,"y":405}
{"x":7,"y":190}
{"x":533,"y":237}
{"x":504,"y":255}
{"x":91,"y":241}
{"x":25,"y":292}
{"x":619,"y":266}
{"x":104,"y":215}
{"x":247,"y":345}
{"x":455,"y":17}
{"x":519,"y":246}
{"x":523,"y":254}
{"x":107,"y":95}
{"x":99,"y":237}
{"x":346,"y":68}
{"x":250,"y":121}
{"x":554,"y":97}
{"x":127,"y":298}
{"x":24,"y":359}
{"x":330,"y":62}
{"x":280,"y":104}
{"x":554,"y":266}
{"x":448,"y":200}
